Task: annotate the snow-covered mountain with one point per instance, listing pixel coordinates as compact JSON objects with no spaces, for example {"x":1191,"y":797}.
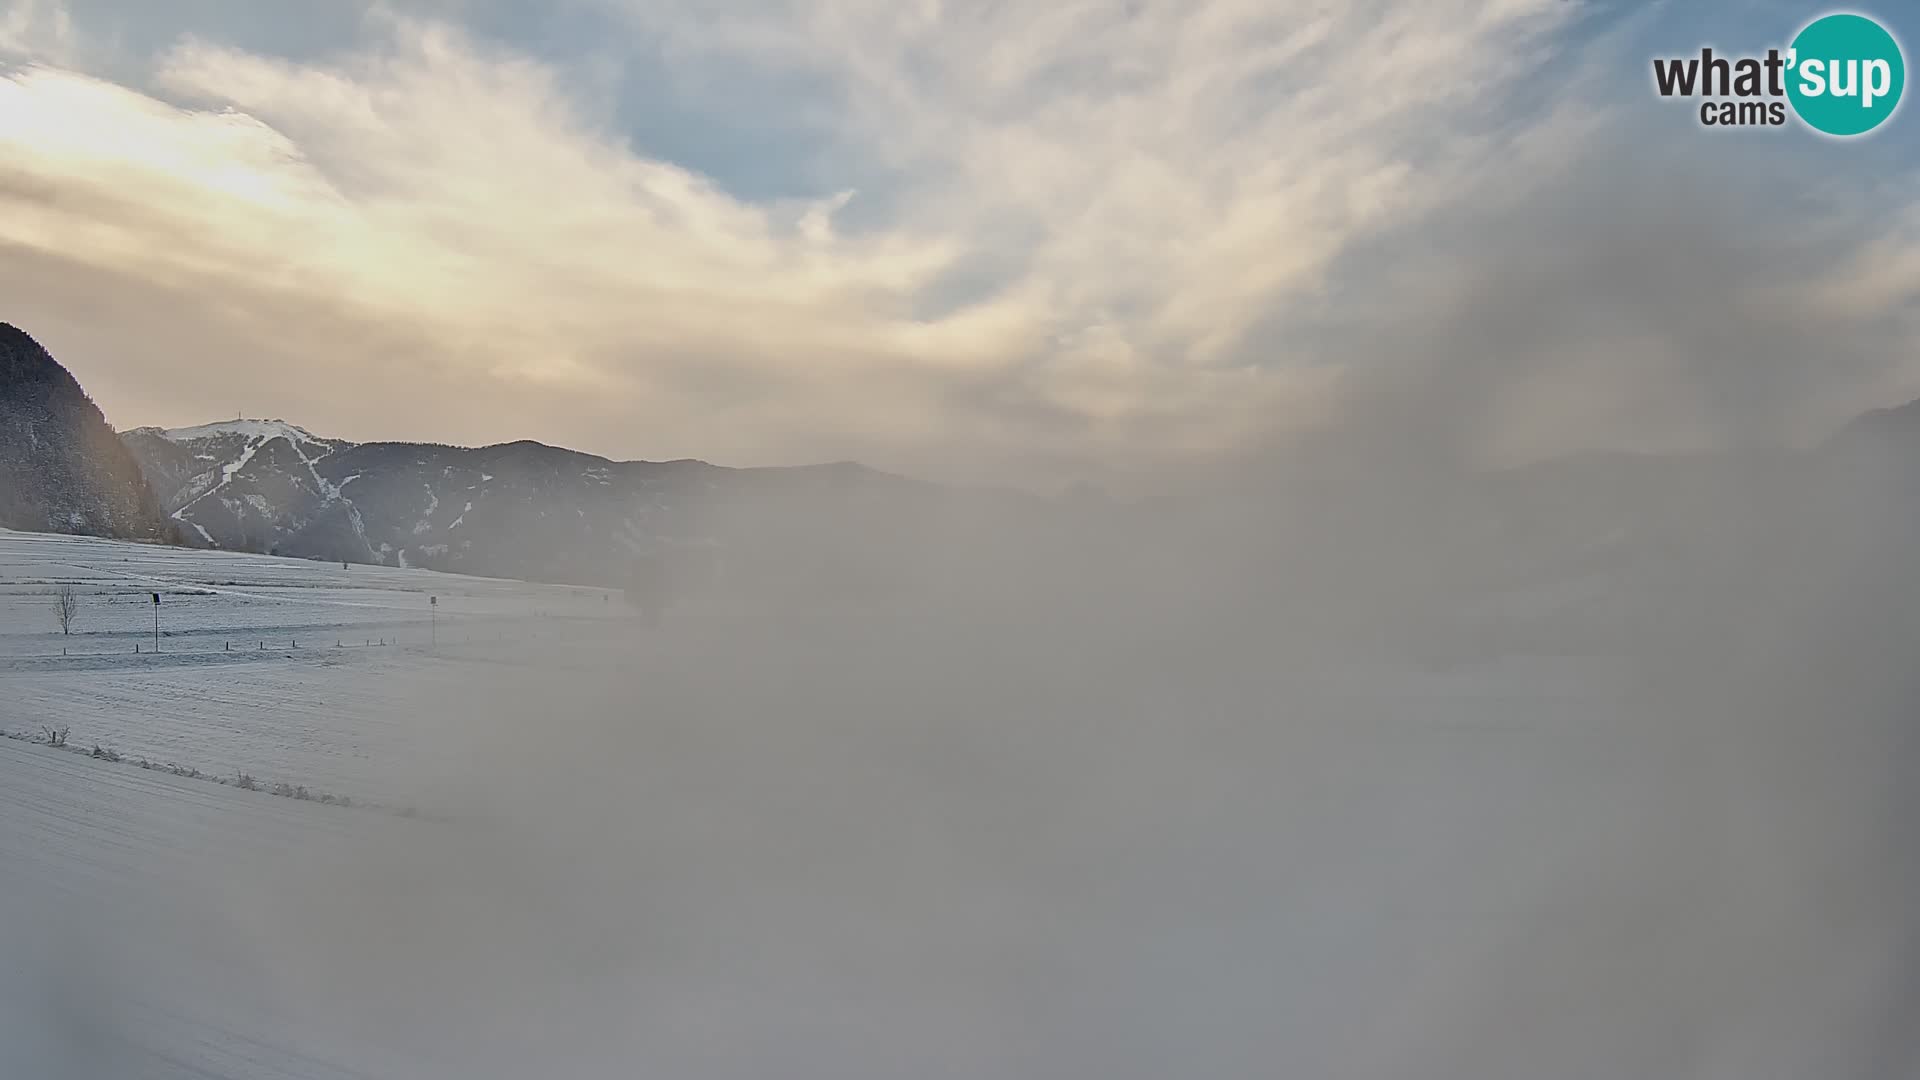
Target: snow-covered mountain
{"x":520,"y":509}
{"x":210,"y":483}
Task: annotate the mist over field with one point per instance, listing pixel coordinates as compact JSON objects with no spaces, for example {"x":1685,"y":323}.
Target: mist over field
{"x":1213,"y":790}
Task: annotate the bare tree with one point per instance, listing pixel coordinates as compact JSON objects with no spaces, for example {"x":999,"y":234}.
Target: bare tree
{"x":66,"y":605}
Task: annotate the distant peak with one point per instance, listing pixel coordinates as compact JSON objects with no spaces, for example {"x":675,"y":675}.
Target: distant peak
{"x":252,"y":429}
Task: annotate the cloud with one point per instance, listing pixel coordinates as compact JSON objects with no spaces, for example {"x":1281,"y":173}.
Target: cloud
{"x":1652,"y":303}
{"x":1047,"y":237}
{"x":41,"y":28}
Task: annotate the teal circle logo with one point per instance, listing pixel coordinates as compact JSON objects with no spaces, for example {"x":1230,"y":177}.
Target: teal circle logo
{"x":1845,"y":74}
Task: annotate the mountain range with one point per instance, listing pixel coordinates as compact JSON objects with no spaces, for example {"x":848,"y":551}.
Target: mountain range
{"x":1591,"y":544}
{"x":520,"y":509}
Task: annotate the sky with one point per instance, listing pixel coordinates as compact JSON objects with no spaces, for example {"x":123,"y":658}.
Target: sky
{"x":993,"y":242}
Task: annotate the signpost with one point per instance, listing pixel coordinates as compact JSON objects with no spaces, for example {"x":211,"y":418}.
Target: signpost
{"x":433,"y":621}
{"x":156,"y":622}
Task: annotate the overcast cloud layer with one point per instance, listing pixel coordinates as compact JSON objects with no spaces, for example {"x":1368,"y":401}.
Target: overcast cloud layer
{"x":996,"y":242}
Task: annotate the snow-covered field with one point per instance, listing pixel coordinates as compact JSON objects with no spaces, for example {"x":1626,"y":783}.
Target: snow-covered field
{"x":285,"y":670}
{"x":337,"y":678}
{"x":734,"y":850}
{"x":210,"y":599}
{"x":117,"y":898}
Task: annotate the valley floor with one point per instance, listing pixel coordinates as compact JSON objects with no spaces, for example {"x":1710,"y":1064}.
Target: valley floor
{"x":713,"y":850}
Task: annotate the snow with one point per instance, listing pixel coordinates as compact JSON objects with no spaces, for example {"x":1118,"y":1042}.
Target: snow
{"x":257,"y":435}
{"x":228,"y":470}
{"x":325,"y":713}
{"x":256,"y":430}
{"x":425,"y":523}
{"x":325,"y":703}
{"x":121,"y":864}
{"x":329,"y":491}
{"x":183,"y":889}
{"x":754,"y":849}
